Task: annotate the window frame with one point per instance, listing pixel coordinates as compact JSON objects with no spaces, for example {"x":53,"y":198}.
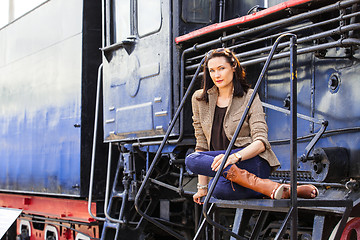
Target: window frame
{"x":138,"y":22}
{"x":109,"y":38}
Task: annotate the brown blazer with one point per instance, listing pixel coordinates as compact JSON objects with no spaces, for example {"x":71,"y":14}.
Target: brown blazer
{"x":254,"y":127}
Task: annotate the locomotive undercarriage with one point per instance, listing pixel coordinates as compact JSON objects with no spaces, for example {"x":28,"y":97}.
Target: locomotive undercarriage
{"x":170,"y":203}
{"x":166,"y":197}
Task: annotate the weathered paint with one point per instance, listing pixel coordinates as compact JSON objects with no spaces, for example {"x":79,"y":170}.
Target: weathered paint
{"x":41,"y":100}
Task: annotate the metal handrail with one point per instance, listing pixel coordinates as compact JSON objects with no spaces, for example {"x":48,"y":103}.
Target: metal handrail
{"x":157,"y":157}
{"x":94,"y":145}
{"x":282,"y":22}
{"x":106,"y":201}
{"x":108,"y":217}
{"x":311,"y":38}
{"x":299,"y":29}
{"x":293,"y":140}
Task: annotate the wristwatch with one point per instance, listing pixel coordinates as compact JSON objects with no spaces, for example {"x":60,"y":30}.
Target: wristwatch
{"x":238,"y":156}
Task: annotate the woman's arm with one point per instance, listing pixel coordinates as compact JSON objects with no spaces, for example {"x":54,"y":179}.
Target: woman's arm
{"x":252,"y":150}
{"x":202,"y":188}
{"x":201,"y":143}
{"x":258,"y":132}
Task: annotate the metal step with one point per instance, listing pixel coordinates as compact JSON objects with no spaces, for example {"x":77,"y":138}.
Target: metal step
{"x":283,"y":205}
{"x":340,"y":206}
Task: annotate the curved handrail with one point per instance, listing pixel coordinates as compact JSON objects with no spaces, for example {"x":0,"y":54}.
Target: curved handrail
{"x":94,"y":145}
{"x":106,"y":201}
{"x":228,"y":150}
{"x":157,"y":157}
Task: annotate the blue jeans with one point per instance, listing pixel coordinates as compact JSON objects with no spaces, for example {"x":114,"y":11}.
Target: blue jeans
{"x":200,"y":163}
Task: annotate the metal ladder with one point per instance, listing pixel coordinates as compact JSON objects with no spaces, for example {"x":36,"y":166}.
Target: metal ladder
{"x":109,"y":222}
{"x":292,"y":205}
{"x":265,"y":205}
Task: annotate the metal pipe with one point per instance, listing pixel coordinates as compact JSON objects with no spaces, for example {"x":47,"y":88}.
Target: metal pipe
{"x":266,"y":3}
{"x":295,"y":30}
{"x":326,"y":133}
{"x":102,"y":23}
{"x":283,"y":227}
{"x":343,"y":222}
{"x":27,"y":215}
{"x":157,"y":157}
{"x":203,"y":223}
{"x":304,"y":157}
{"x":354,"y":9}
{"x":348,"y":16}
{"x":299,"y":115}
{"x":221,"y":9}
{"x":94,"y":145}
{"x":293,"y":135}
{"x":157,"y":143}
{"x":107,"y":23}
{"x":232,"y":142}
{"x":338,"y":30}
{"x":285,"y":22}
{"x":339,"y":43}
{"x":106,"y":200}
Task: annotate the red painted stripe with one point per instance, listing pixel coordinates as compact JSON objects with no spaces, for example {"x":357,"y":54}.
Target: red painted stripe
{"x":241,"y":20}
{"x":68,"y":209}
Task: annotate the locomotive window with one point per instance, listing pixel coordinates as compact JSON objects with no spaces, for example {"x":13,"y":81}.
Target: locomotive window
{"x":121,"y":20}
{"x":197,"y":11}
{"x":149,"y":16}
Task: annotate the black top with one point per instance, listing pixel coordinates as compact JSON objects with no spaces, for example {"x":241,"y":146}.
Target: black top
{"x":219,"y":140}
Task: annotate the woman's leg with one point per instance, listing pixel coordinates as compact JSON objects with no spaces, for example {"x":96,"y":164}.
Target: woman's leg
{"x":229,"y":190}
{"x":200,"y":163}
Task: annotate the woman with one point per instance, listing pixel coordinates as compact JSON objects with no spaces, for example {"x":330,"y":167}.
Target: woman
{"x":217,"y":110}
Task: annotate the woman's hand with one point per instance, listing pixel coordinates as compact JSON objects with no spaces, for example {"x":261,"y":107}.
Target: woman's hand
{"x":200,"y":193}
{"x":218,"y":160}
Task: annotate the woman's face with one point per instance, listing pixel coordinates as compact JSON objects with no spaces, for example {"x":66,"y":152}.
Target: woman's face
{"x":221,"y":72}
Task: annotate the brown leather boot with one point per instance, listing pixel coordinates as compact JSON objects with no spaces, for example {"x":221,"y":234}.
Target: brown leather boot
{"x":246,"y":179}
{"x":267,"y":187}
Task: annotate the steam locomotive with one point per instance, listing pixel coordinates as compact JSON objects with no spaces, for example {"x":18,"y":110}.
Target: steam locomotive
{"x":96,"y":117}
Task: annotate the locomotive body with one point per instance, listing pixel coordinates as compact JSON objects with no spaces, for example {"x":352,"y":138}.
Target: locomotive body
{"x":149,"y":66}
{"x":49,"y":57}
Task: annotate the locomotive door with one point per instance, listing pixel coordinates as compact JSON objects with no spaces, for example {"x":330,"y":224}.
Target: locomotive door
{"x":137,"y":69}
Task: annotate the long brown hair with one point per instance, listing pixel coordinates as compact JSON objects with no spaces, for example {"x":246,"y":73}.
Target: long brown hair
{"x":239,"y":80}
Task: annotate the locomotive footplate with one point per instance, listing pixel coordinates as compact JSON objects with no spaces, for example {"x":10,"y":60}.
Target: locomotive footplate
{"x":342,"y":207}
{"x":283,"y":205}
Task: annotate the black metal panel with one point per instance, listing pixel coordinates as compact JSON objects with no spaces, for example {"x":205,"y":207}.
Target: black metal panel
{"x":234,"y":8}
{"x":91,"y":59}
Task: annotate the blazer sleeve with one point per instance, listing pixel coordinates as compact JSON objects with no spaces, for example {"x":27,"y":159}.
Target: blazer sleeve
{"x":257,"y":123}
{"x":201,"y":143}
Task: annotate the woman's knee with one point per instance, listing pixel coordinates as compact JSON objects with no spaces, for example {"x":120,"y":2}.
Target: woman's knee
{"x":191,"y":160}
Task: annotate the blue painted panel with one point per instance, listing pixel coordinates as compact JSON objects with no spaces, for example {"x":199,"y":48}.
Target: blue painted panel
{"x":125,"y":118}
{"x":40,"y":91}
{"x":138,"y":77}
{"x":339,"y":108}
